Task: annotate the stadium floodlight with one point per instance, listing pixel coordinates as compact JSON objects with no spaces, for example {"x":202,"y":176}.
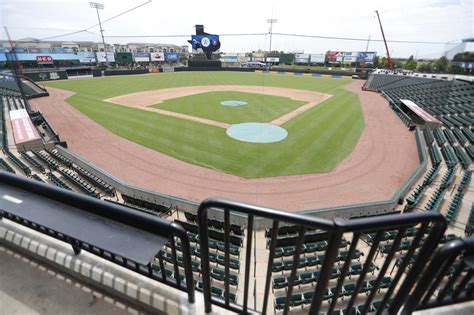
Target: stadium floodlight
{"x":271,"y":21}
{"x":97,"y":6}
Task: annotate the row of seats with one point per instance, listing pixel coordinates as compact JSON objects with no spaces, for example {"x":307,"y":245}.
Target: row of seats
{"x":415,"y":197}
{"x":17,"y":161}
{"x":448,"y":178}
{"x":306,"y":248}
{"x":454,"y":207}
{"x":164,"y":209}
{"x":46,"y":159}
{"x":60,"y":158}
{"x":313,"y":260}
{"x":107,"y":188}
{"x":435,"y":201}
{"x":82,"y":184}
{"x":214,"y":234}
{"x":217,"y":224}
{"x":462,"y":156}
{"x":299,"y":299}
{"x":435,"y":155}
{"x":307,"y":277}
{"x":6,"y":167}
{"x":430,"y":176}
{"x":37,"y":178}
{"x":57,"y":181}
{"x":391,"y":235}
{"x":33,"y":162}
{"x":449,"y":155}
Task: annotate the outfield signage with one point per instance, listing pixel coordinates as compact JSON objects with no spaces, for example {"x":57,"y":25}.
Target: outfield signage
{"x":350,"y":56}
{"x":101,"y":56}
{"x":335,"y":56}
{"x":157,"y":56}
{"x":317,"y":58}
{"x":302,"y":58}
{"x":171,"y":56}
{"x":141,"y":57}
{"x":46,"y":76}
{"x":44,"y":60}
{"x":86,"y":57}
{"x":273,"y":59}
{"x":366,"y":56}
{"x":229,"y":58}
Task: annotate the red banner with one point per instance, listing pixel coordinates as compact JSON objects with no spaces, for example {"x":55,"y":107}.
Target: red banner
{"x":335,"y":56}
{"x":44,"y":60}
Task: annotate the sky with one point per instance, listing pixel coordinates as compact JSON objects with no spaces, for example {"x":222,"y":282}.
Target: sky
{"x":444,"y":21}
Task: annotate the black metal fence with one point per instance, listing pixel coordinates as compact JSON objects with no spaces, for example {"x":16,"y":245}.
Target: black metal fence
{"x":416,"y":234}
{"x":449,"y":274}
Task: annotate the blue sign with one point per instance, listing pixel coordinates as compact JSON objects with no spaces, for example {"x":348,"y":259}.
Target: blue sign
{"x":367,"y":56}
{"x":171,"y":56}
{"x":204,"y":41}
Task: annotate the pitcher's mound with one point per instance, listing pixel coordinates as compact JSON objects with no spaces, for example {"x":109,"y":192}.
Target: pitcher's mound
{"x":233,"y":103}
{"x":257,"y":132}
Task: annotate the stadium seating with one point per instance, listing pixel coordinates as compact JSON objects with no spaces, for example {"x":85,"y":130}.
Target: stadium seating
{"x":57,"y":181}
{"x":136,"y":202}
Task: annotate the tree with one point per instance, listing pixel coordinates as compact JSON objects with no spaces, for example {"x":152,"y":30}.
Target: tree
{"x":441,"y":65}
{"x":424,"y":67}
{"x":411,"y":63}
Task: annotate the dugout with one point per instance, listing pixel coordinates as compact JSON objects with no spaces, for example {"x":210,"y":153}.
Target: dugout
{"x":419,"y":116}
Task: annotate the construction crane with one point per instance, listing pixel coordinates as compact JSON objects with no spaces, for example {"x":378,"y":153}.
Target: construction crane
{"x":362,"y":66}
{"x":389,"y":60}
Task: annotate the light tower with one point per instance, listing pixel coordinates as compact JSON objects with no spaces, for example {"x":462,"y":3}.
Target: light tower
{"x":97,"y":6}
{"x":271,"y":21}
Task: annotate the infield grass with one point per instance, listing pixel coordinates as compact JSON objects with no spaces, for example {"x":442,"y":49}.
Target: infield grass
{"x":259,"y":107}
{"x":317,"y":141}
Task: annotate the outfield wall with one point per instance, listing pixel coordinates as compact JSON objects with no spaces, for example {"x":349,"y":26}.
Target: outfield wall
{"x":357,"y":210}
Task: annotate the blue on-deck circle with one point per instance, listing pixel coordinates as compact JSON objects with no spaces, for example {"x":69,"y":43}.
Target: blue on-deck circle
{"x":257,"y":132}
{"x":233,"y":103}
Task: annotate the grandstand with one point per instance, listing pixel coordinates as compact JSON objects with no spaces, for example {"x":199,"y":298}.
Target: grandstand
{"x":336,"y":266}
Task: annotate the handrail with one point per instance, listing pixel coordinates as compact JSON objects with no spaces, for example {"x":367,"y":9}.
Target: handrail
{"x":431,"y":223}
{"x":136,"y":223}
{"x":440,"y":266}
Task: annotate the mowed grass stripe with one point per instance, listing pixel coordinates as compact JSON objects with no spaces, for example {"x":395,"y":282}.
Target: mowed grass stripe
{"x":318,"y":139}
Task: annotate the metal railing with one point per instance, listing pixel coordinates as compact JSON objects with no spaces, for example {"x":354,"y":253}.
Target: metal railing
{"x":425,"y":230}
{"x":136,"y":225}
{"x":448,"y":275}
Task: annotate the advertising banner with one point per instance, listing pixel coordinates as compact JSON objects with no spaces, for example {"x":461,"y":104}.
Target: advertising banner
{"x":46,"y":76}
{"x":302,"y":58}
{"x":44,"y":60}
{"x":317,"y":58}
{"x":58,"y":51}
{"x":259,"y":59}
{"x":335,"y":56}
{"x":141,"y":57}
{"x":273,"y":59}
{"x":101,"y":56}
{"x":157,"y":56}
{"x":123,"y":58}
{"x":229,"y":58}
{"x":171,"y":56}
{"x":350,"y":56}
{"x":287,"y":58}
{"x":86,"y":57}
{"x":367,"y":56}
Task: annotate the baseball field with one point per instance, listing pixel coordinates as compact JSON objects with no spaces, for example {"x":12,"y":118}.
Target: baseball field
{"x":181,"y":115}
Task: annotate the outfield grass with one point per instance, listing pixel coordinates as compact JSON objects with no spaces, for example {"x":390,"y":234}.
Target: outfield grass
{"x":317,"y":140}
{"x":259,"y":107}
